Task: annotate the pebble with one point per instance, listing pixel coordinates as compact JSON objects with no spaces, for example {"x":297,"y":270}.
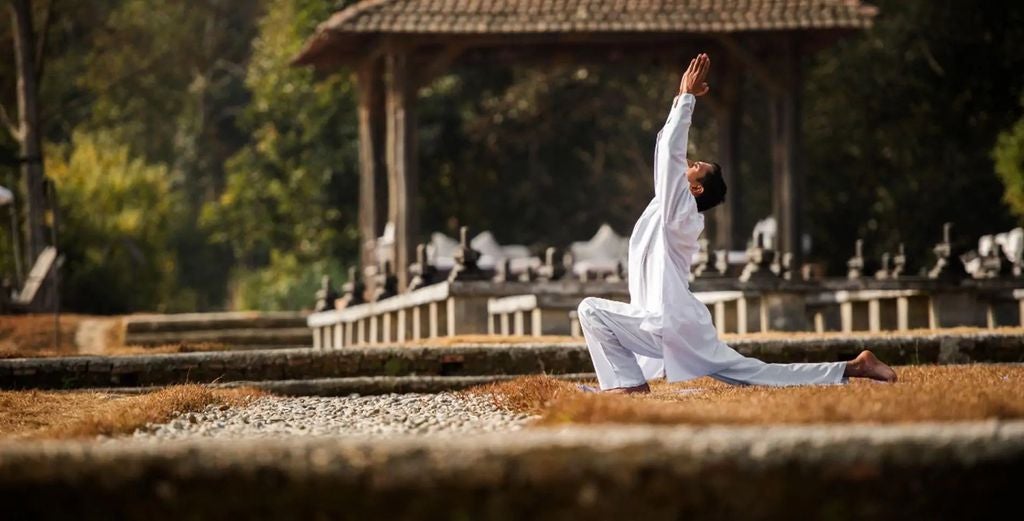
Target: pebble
{"x":384,"y":416}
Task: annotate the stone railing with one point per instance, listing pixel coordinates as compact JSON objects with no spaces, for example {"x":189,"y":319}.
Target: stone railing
{"x":443,"y":309}
{"x":549,"y":308}
{"x":874,"y":306}
{"x":768,"y":295}
{"x":238,"y":328}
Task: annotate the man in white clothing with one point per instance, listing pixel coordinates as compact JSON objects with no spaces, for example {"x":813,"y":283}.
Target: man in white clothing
{"x":665,"y":330}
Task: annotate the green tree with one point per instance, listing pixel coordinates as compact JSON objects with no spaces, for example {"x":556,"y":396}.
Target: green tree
{"x":168,"y":79}
{"x":900,"y":123}
{"x":288,"y":206}
{"x":1009,"y":158}
{"x":117,"y":213}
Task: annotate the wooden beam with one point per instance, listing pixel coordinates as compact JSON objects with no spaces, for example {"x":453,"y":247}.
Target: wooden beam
{"x":372,"y":167}
{"x":402,"y":159}
{"x":786,"y":149}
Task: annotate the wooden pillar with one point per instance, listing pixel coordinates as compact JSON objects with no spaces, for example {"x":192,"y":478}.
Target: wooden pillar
{"x":728,"y":117}
{"x":28,"y":130}
{"x":372,"y":168}
{"x":401,"y":159}
{"x":786,"y":150}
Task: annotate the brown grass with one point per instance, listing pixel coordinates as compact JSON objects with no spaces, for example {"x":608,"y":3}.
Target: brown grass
{"x":83,"y":414}
{"x":32,"y":335}
{"x":924,"y":393}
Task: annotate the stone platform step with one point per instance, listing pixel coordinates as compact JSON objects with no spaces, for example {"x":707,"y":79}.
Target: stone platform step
{"x":287,"y":364}
{"x":229,"y":328}
{"x":297,"y":337}
{"x":899,"y":472}
{"x":365,"y":385}
{"x":154,"y":323}
{"x":474,"y":360}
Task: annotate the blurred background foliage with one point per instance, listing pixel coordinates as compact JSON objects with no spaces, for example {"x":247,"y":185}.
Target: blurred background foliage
{"x":198,"y":171}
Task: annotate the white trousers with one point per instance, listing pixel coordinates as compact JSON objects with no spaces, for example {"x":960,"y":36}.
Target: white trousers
{"x":624,"y":355}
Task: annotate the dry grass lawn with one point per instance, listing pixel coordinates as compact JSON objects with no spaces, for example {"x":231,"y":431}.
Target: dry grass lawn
{"x":924,"y":393}
{"x":84,"y":414}
{"x":32,"y":335}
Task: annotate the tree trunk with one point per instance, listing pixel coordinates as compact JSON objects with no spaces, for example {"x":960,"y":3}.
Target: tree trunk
{"x":28,"y":131}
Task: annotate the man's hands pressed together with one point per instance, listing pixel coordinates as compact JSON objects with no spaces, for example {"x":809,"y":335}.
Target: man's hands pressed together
{"x":695,"y":78}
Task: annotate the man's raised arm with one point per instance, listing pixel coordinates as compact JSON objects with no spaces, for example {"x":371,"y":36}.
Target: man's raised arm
{"x":671,"y":185}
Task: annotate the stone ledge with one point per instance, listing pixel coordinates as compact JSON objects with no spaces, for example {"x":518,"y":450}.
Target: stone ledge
{"x":924,"y":471}
{"x":288,"y":364}
{"x":471,"y":360}
{"x":364,"y":385}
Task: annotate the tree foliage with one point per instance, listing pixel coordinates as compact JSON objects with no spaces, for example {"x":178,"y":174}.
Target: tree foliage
{"x":900,"y":124}
{"x":220,"y":176}
{"x":117,"y":215}
{"x":289,"y":199}
{"x":1009,"y":158}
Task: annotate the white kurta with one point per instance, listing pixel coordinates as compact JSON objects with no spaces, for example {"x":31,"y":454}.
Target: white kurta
{"x":665,"y":330}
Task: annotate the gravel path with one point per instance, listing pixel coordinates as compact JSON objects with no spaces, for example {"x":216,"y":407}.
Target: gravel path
{"x":377,"y":416}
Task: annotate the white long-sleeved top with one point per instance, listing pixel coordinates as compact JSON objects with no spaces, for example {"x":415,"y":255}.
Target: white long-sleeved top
{"x":660,"y":249}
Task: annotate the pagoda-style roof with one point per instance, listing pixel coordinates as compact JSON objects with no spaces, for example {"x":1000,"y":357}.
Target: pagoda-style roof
{"x":345,"y":31}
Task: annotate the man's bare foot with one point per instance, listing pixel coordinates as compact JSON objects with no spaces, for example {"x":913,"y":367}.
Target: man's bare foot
{"x":867,"y":365}
{"x":640,"y":389}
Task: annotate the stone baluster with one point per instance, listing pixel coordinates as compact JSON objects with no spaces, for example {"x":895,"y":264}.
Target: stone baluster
{"x":325,"y":296}
{"x":528,"y":275}
{"x":855,"y":266}
{"x":885,"y":270}
{"x":619,"y":275}
{"x":899,"y":263}
{"x":423,"y":273}
{"x":994,"y":264}
{"x":947,"y":265}
{"x":551,"y":270}
{"x":759,"y":262}
{"x":722,"y":262}
{"x":703,"y":263}
{"x":466,"y":259}
{"x":786,"y":270}
{"x":387,"y":284}
{"x":503,"y":272}
{"x":353,"y":291}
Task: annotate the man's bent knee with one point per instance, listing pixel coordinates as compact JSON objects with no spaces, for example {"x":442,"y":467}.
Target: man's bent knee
{"x":585,"y":311}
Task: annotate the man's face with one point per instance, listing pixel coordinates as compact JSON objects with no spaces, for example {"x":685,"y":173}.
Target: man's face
{"x":695,"y":174}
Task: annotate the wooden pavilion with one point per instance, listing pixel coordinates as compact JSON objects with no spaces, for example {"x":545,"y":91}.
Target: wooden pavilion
{"x":397,"y":46}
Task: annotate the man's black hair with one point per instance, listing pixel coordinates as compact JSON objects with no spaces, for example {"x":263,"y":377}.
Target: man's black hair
{"x":714,"y":189}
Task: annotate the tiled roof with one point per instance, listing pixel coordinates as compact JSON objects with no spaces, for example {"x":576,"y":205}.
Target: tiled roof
{"x":511,"y":17}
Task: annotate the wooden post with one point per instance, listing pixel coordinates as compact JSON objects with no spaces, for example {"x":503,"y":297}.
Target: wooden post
{"x":372,"y":167}
{"x":728,"y":116}
{"x":785,"y":136}
{"x":28,"y":131}
{"x":401,"y":159}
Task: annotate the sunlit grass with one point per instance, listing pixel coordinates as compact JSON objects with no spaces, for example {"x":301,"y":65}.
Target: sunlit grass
{"x":923,"y":393}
